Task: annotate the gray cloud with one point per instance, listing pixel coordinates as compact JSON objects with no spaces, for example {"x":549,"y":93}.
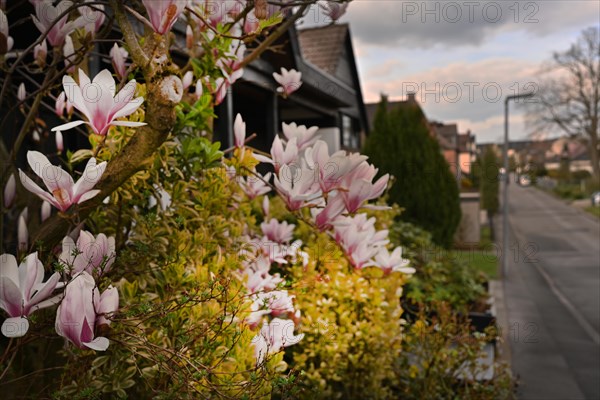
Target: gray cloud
{"x":424,"y":24}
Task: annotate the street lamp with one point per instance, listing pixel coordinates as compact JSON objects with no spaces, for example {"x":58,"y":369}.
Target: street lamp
{"x":506,"y":179}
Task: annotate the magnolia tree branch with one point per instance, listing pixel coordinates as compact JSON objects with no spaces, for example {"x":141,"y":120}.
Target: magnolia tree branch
{"x":160,"y":118}
{"x":272,"y":37}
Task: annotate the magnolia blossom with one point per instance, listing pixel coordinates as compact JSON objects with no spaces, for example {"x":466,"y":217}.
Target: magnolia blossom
{"x":251,"y":23}
{"x":59,"y":141}
{"x":40,"y":51}
{"x":46,"y":18}
{"x":189,"y":37}
{"x":10,"y":191}
{"x":258,"y":273}
{"x":280,"y":156}
{"x":164,"y":13}
{"x":8,"y":41}
{"x":118,"y":56}
{"x":304,"y":136}
{"x":278,"y":232}
{"x":22,"y":291}
{"x":63,"y":192}
{"x":392,"y":262}
{"x":21,"y":92}
{"x":325,"y":217}
{"x":90,"y":254}
{"x":187,"y":79}
{"x":334,"y":9}
{"x":82,"y":309}
{"x":360,"y":187}
{"x":359,"y":239}
{"x":198,"y":88}
{"x":46,"y":211}
{"x":239,"y":131}
{"x":22,"y":232}
{"x":93,"y":16}
{"x":297,"y":186}
{"x":331,"y":169}
{"x":68,"y":53}
{"x":273,"y":337}
{"x":290,"y":81}
{"x":275,"y":303}
{"x":96,"y":100}
{"x":59,"y":105}
{"x":220,"y":92}
{"x":255,"y":185}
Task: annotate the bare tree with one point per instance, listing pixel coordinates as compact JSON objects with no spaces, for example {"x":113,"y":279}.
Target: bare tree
{"x":570,"y":99}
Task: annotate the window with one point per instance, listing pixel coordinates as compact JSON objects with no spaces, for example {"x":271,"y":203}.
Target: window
{"x":350,"y":137}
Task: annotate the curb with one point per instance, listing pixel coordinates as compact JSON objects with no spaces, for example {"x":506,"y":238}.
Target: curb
{"x":567,"y":203}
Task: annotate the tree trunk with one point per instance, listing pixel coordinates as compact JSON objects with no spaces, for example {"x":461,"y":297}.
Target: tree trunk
{"x":594,"y":158}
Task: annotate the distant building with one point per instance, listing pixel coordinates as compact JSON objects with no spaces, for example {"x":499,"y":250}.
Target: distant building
{"x":458,"y":149}
{"x":548,"y":153}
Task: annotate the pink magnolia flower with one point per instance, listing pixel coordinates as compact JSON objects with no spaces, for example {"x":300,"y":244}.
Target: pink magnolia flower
{"x":220,"y":92}
{"x":95,"y":255}
{"x":290,"y":81}
{"x":59,"y":141}
{"x":251,"y":23}
{"x":10,"y":191}
{"x":199,"y":89}
{"x":189,"y":38}
{"x":46,"y":211}
{"x":46,"y":17}
{"x":359,"y":239}
{"x":278,"y":302}
{"x":93,"y":16}
{"x":392,"y":262}
{"x":40,"y":51}
{"x":63,"y":192}
{"x":325,"y":217}
{"x":278,"y":232}
{"x":164,"y":13}
{"x":22,"y":232}
{"x":9,"y":42}
{"x":331,"y":170}
{"x":22,"y":291}
{"x":59,"y":105}
{"x":280,"y":156}
{"x":82,"y":309}
{"x":253,"y":186}
{"x":259,"y":277}
{"x":304,"y":136}
{"x":273,"y":337}
{"x":187,"y":79}
{"x":21,"y":92}
{"x":334,"y":9}
{"x":68,"y":54}
{"x":239,"y":131}
{"x":360,"y":189}
{"x":119,"y":56}
{"x":297,"y":187}
{"x":96,"y":100}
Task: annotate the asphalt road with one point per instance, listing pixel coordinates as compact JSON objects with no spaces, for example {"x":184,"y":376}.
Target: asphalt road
{"x":552,"y":295}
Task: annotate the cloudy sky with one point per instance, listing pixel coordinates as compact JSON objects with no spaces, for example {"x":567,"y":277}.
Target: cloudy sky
{"x":462,"y":57}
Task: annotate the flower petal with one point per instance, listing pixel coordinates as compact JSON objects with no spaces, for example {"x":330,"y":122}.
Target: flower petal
{"x":68,"y":125}
{"x":99,"y":344}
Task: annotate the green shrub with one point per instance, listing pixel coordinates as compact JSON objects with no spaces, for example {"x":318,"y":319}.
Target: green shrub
{"x":400,"y":144}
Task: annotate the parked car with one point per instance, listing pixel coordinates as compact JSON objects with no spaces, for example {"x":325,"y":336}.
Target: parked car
{"x":524,"y":180}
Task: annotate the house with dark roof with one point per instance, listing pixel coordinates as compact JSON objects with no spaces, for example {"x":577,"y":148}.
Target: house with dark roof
{"x":445,"y":134}
{"x":330,"y":96}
